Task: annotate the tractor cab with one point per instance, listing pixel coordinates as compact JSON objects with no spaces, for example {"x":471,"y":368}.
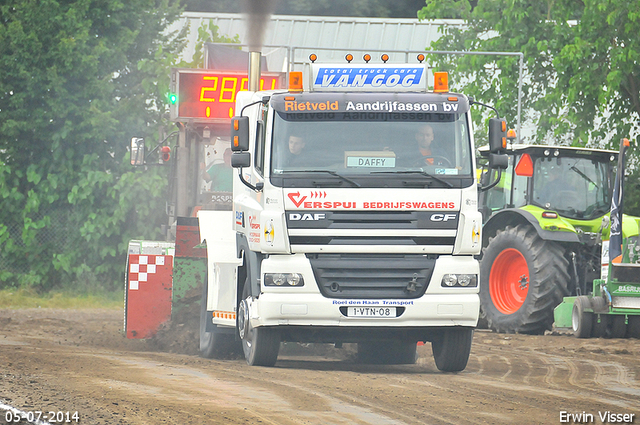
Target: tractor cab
{"x":573,"y":183}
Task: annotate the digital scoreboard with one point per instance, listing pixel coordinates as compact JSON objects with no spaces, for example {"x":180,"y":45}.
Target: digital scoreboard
{"x":204,"y":95}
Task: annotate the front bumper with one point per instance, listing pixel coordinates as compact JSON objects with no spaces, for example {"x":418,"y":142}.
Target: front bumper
{"x":306,"y":306}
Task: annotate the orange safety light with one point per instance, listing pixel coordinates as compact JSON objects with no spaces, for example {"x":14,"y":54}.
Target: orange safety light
{"x":420,"y":58}
{"x":349,"y":57}
{"x":313,"y":57}
{"x":367,"y":57}
{"x":166,"y":153}
{"x":525,"y":166}
{"x":452,"y":99}
{"x":385,"y":58}
{"x":511,"y":134}
{"x":295,"y":81}
{"x":236,"y":141}
{"x":441,"y":82}
{"x":626,"y":142}
{"x":235,"y":125}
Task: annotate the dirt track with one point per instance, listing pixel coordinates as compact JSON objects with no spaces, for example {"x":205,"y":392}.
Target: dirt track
{"x":65,"y":360}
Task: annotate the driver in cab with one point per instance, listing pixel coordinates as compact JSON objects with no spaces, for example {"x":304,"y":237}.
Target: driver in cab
{"x":427,"y":156}
{"x":296,"y":155}
{"x":556,"y":191}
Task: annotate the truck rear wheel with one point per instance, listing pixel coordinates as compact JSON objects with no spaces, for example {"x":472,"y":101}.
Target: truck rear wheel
{"x":387,"y":352}
{"x":523,"y":278}
{"x":451,"y":349}
{"x":215,"y":345}
{"x":260,"y":345}
{"x":581,"y":320}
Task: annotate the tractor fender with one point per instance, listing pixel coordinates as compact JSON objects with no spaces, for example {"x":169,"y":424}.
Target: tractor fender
{"x":252,"y":262}
{"x":515,"y":216}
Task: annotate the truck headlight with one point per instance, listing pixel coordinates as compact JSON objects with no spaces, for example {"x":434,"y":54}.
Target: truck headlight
{"x":459,"y":280}
{"x":283,"y":279}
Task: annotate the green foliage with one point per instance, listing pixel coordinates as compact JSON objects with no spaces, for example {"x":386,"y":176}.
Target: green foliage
{"x":581,"y":67}
{"x":207,"y":33}
{"x":79,"y":78}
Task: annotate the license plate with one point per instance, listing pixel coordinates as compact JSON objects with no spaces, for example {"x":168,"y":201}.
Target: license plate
{"x":371,"y":312}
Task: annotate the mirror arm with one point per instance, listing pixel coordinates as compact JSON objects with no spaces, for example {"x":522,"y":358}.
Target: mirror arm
{"x":173,"y":133}
{"x":257,"y":188}
{"x":475,"y":102}
{"x":482,"y":189}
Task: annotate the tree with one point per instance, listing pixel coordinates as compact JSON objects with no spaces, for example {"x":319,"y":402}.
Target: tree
{"x":581,"y":65}
{"x":79,"y":77}
{"x":581,"y":84}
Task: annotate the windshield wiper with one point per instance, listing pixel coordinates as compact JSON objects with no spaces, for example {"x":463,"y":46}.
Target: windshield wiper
{"x":333,"y":173}
{"x":422,"y":172}
{"x":583,"y":175}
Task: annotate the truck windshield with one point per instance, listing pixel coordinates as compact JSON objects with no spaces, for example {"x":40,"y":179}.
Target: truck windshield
{"x":420,"y":149}
{"x":574,"y":187}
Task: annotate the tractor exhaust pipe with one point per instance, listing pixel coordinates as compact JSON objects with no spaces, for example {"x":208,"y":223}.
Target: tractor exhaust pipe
{"x":254,"y":70}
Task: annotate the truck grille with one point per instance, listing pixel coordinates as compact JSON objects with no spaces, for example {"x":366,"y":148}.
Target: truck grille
{"x":372,"y":276}
{"x":405,"y":228}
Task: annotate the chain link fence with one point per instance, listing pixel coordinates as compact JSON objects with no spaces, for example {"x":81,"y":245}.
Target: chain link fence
{"x":51,"y":239}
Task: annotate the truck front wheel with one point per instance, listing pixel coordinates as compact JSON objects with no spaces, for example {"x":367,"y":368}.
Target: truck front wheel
{"x":261,"y":344}
{"x":451,"y":349}
{"x":522,"y":279}
{"x":215,"y":345}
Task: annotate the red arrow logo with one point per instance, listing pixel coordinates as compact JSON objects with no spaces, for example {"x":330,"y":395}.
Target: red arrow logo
{"x":296,"y":199}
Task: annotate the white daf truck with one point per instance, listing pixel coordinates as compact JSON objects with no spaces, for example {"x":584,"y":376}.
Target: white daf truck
{"x":347,"y":227}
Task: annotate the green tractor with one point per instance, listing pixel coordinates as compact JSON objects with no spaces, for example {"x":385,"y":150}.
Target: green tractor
{"x":612,"y":309}
{"x":542,"y":233}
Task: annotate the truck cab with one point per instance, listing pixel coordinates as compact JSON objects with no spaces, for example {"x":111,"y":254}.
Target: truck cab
{"x":355,"y":218}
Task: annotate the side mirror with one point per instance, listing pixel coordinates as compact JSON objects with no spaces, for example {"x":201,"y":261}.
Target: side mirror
{"x":498,"y":161}
{"x":239,"y":134}
{"x":137,"y":151}
{"x":241,"y":160}
{"x":497,"y":135}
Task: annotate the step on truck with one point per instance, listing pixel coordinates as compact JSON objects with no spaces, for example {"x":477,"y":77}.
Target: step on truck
{"x":355,"y":218}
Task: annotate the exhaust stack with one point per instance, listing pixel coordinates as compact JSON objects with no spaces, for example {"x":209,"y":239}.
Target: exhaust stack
{"x":257,"y":18}
{"x":254,"y":70}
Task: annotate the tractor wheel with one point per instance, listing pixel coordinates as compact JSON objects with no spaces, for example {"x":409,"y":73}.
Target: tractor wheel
{"x":387,"y":352}
{"x":215,"y":345}
{"x":260,"y":345}
{"x":451,"y":349}
{"x":581,"y":320}
{"x":522,"y":279}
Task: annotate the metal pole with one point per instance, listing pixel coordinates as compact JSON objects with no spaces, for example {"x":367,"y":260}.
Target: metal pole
{"x":520,"y":72}
{"x":182,"y":158}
